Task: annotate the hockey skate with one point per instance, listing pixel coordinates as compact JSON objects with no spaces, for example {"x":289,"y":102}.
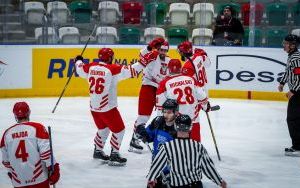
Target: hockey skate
{"x":99,"y":154}
{"x":116,"y":160}
{"x":135,"y":146}
{"x":292,"y":152}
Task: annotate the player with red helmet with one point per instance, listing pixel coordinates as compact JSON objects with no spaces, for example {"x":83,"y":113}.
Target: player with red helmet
{"x":103,"y":78}
{"x":26,"y":152}
{"x":155,"y":55}
{"x":186,"y":91}
{"x":195,"y":65}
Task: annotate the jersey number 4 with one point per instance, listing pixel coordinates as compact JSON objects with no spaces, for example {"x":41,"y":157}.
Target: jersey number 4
{"x":21,"y":151}
{"x":96,"y":85}
{"x":187,"y":91}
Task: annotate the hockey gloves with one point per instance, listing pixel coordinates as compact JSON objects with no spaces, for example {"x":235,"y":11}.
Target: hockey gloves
{"x":142,"y":134}
{"x":79,"y":57}
{"x":206,"y":106}
{"x":54,"y":175}
{"x":155,"y":43}
{"x":149,"y":57}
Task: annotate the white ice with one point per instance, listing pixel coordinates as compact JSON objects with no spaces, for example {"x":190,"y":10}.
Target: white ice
{"x":251,"y":137}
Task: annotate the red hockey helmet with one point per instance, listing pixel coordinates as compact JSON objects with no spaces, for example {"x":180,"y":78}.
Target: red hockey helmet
{"x":21,"y":110}
{"x":185,"y":47}
{"x":165,"y":46}
{"x":105,"y":53}
{"x":174,"y":66}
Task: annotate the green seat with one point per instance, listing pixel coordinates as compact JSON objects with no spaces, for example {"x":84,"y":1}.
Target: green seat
{"x":236,"y":8}
{"x":81,"y":11}
{"x":257,"y":37}
{"x":277,"y":13}
{"x":275,"y":37}
{"x":129,"y":35}
{"x":156,"y":13}
{"x":296,"y":14}
{"x":177,"y":35}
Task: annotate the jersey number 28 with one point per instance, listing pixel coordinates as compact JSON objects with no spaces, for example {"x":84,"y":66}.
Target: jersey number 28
{"x":21,"y":151}
{"x":188,"y":92}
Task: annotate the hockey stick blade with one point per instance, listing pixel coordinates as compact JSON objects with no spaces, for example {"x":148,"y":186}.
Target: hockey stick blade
{"x":215,"y":108}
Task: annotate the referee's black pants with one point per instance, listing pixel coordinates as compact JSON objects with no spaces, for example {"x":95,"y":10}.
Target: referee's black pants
{"x":293,"y":120}
{"x":197,"y":184}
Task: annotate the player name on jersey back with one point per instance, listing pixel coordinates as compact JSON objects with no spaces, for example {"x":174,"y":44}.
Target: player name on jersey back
{"x":19,"y":134}
{"x":180,"y":83}
{"x":96,"y":72}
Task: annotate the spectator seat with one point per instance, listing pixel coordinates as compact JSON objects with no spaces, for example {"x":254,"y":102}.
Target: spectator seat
{"x":129,"y":35}
{"x":34,"y":12}
{"x":69,"y":35}
{"x":132,"y":12}
{"x":106,"y":35}
{"x":179,"y":13}
{"x":58,"y":12}
{"x":203,"y":14}
{"x":156,"y":13}
{"x":202,"y":36}
{"x":259,"y":11}
{"x":81,"y":11}
{"x":277,"y":14}
{"x":108,"y":12}
{"x":51,"y":37}
{"x":153,"y":32}
{"x":177,"y":35}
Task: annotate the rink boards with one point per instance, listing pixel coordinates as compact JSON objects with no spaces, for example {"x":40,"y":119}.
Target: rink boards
{"x":245,"y":73}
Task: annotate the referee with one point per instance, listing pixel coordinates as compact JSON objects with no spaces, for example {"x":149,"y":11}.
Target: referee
{"x":187,"y":160}
{"x":292,"y":78}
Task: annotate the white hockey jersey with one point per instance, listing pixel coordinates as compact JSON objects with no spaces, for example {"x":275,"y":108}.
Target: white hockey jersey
{"x":197,"y":68}
{"x":103,"y":79}
{"x":26,"y":153}
{"x":185,"y":90}
{"x":156,"y":69}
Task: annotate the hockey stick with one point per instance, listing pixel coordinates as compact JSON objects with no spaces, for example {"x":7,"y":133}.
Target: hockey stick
{"x":213,"y":136}
{"x":73,"y":71}
{"x":51,"y":152}
{"x":217,"y":107}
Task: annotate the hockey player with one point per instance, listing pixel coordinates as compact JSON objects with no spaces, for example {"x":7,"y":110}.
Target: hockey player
{"x":195,"y":63}
{"x":186,"y":91}
{"x":292,"y":78}
{"x":155,"y":55}
{"x":26,"y":152}
{"x":186,"y":158}
{"x":160,"y":130}
{"x":103,"y":78}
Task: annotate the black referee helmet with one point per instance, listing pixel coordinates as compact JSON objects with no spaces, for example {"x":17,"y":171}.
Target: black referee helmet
{"x":183,"y":123}
{"x":293,"y":39}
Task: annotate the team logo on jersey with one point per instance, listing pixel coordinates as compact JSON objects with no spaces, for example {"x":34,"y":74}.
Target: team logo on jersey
{"x":2,"y":67}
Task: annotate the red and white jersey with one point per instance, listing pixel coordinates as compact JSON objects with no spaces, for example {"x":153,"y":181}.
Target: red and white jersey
{"x":26,"y":153}
{"x":156,"y":70}
{"x":103,"y":79}
{"x":184,"y":89}
{"x":201,"y":62}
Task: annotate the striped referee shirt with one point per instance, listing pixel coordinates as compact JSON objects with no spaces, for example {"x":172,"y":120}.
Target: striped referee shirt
{"x":291,"y":76}
{"x":187,"y":160}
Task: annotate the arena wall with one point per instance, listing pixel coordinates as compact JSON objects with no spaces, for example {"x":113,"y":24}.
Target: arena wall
{"x":244,"y":73}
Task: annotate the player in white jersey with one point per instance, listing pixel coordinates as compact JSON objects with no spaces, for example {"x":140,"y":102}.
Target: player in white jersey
{"x":103,"y":78}
{"x":155,"y":56}
{"x":195,"y":63}
{"x":186,"y":91}
{"x":26,"y":152}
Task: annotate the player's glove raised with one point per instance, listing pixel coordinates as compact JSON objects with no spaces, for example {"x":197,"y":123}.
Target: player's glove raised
{"x":54,"y":175}
{"x":146,"y":59}
{"x":79,"y":57}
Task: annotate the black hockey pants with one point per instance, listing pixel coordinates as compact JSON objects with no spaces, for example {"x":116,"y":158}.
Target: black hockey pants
{"x":293,"y":120}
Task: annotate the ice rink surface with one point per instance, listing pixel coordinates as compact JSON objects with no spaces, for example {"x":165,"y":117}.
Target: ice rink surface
{"x":251,"y":137}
